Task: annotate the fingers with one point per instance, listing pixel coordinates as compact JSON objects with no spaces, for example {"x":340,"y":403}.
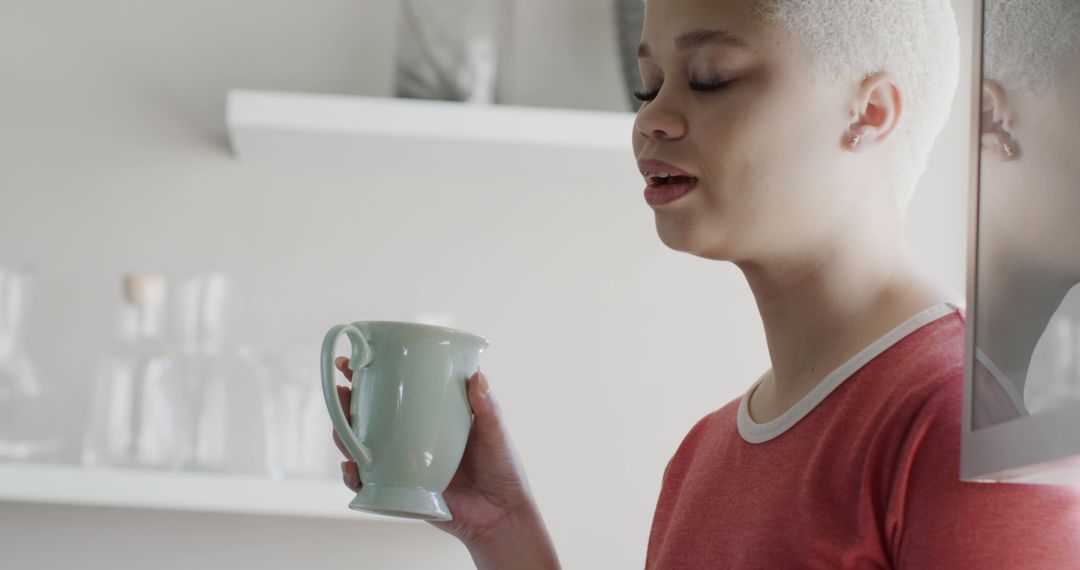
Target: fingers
{"x":342,"y":364}
{"x":341,"y":446}
{"x":350,"y":475}
{"x":488,"y":414}
{"x":345,"y":395}
{"x":349,"y":472}
{"x":480,"y":395}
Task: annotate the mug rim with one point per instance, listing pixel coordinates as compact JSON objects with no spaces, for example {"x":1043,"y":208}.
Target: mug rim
{"x":427,"y":326}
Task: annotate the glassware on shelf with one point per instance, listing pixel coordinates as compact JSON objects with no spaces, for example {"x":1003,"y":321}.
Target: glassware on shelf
{"x":200,"y":314}
{"x":138,"y":416}
{"x":173,"y":393}
{"x":27,"y":424}
{"x":298,"y":440}
{"x":221,"y":387}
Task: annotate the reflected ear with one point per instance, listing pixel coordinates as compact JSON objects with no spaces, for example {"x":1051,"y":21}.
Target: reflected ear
{"x":995,"y":124}
{"x":877,"y":109}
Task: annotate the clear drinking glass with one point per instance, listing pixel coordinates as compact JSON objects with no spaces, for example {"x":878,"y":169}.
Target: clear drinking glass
{"x":295,"y":423}
{"x":27,"y":424}
{"x":202,"y":363}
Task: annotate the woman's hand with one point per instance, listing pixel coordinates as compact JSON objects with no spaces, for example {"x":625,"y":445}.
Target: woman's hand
{"x":493,"y":508}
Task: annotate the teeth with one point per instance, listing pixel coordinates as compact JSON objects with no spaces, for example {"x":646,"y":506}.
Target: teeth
{"x":659,"y":176}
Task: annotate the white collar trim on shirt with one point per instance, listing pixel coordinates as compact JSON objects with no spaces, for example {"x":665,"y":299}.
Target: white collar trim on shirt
{"x":754,"y":432}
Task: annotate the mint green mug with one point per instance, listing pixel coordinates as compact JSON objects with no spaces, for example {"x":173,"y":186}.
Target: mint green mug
{"x":410,"y":412}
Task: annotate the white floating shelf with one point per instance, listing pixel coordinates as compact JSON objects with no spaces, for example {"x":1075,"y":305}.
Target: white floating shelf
{"x":179,"y":491}
{"x":410,"y":135}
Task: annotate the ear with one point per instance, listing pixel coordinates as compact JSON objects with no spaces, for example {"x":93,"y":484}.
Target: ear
{"x":995,"y":124}
{"x":876,"y":110}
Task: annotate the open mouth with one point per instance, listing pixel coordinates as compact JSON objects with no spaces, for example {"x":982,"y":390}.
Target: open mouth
{"x":670,"y":180}
{"x":661,"y":192}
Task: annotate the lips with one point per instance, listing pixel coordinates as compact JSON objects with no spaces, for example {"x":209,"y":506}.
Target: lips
{"x":659,"y":174}
{"x":667,"y":193}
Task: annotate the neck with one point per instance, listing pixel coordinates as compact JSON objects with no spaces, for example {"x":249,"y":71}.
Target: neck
{"x":1016,"y":299}
{"x":819,"y":309}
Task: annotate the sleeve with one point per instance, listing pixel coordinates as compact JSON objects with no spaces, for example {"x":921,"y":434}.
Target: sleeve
{"x":948,"y":523}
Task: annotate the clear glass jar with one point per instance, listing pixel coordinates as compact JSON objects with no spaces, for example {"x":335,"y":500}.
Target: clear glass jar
{"x":28,"y":426}
{"x":138,"y":415}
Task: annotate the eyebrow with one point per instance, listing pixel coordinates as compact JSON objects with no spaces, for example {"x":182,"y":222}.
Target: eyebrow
{"x":699,"y":37}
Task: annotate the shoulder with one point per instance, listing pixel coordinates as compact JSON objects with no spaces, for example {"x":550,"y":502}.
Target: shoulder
{"x":946,"y":522}
{"x":958,"y":524}
{"x":932,"y":387}
{"x":719,"y":421}
{"x":930,"y":355}
{"x":710,"y":427}
{"x":920,"y":377}
{"x":924,"y":397}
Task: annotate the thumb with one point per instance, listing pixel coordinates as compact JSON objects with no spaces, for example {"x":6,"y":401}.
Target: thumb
{"x":490,"y":438}
{"x":489,"y":424}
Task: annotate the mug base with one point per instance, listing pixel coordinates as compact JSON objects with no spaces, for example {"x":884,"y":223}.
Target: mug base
{"x":402,"y":502}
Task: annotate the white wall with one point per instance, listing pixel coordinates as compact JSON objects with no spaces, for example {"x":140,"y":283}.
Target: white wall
{"x":113,"y":159}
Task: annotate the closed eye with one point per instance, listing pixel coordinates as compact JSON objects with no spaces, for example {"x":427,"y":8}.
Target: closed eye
{"x":695,"y":86}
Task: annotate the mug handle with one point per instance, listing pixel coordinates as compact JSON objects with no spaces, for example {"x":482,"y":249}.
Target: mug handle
{"x":362,"y":356}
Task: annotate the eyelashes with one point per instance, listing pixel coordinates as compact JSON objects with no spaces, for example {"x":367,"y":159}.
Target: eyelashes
{"x":706,"y":87}
{"x":644,"y":95}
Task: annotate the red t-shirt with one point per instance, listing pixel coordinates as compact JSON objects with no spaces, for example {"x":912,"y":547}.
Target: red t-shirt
{"x":867,"y":477}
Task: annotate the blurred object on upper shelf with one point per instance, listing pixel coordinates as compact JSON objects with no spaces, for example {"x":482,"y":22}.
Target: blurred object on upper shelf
{"x":29,"y":428}
{"x":629,"y":21}
{"x":449,"y":50}
{"x":297,"y":430}
{"x":169,"y":393}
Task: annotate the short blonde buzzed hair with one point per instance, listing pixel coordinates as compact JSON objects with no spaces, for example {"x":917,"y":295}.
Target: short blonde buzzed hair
{"x":914,"y":40}
{"x":1029,"y":43}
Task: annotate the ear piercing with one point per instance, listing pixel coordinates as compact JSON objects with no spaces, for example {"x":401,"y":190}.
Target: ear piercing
{"x":855,"y":137}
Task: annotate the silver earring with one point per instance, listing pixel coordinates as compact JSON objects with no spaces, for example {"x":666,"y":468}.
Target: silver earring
{"x":854,"y":141}
{"x":1008,"y":150}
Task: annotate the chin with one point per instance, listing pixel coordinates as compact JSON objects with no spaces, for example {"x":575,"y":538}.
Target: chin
{"x":681,"y":239}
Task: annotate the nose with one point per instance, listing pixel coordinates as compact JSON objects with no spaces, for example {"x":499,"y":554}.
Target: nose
{"x":660,"y":119}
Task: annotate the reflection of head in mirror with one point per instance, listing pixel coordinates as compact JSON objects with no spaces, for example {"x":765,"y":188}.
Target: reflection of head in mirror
{"x":1028,"y":191}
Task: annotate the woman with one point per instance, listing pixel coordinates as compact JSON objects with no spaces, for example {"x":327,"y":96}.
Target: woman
{"x":786,"y":137}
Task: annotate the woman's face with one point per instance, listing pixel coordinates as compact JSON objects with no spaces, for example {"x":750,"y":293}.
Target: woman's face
{"x":736,"y":106}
